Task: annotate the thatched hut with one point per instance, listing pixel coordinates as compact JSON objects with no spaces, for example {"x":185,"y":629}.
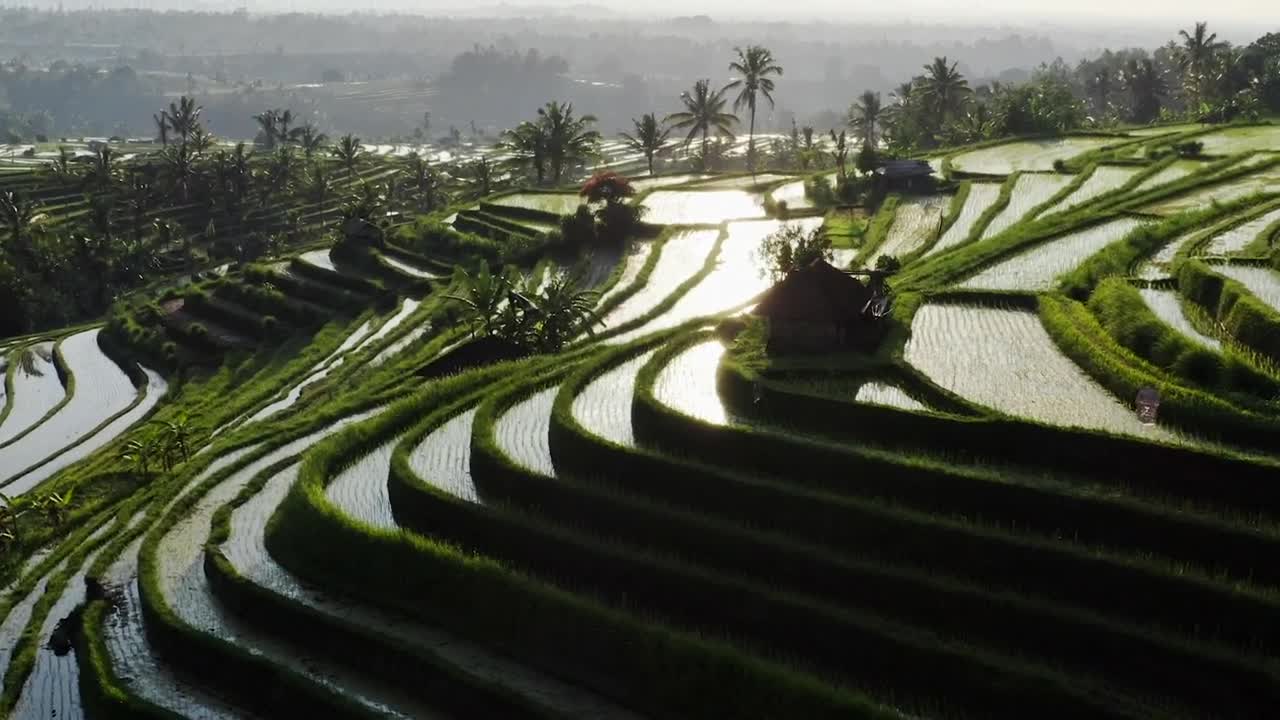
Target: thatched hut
{"x":819,"y":309}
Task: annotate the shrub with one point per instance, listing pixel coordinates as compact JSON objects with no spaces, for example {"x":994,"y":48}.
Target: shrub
{"x":579,"y":228}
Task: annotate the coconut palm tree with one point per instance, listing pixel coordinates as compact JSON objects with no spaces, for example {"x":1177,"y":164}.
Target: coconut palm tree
{"x":426,"y":181}
{"x":310,"y":140}
{"x":184,"y":117}
{"x":284,"y":119}
{"x":704,"y":113}
{"x":864,"y":116}
{"x":483,"y":174}
{"x":103,"y":173}
{"x":568,"y":138}
{"x":201,"y":141}
{"x":162,"y":126}
{"x":18,"y":214}
{"x":1196,"y":56}
{"x":62,"y":169}
{"x":944,"y":89}
{"x":648,"y":139}
{"x":756,"y":67}
{"x":528,"y":143}
{"x":348,"y":151}
{"x":269,"y":122}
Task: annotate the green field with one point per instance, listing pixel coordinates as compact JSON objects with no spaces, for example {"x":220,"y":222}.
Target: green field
{"x":296,"y":505}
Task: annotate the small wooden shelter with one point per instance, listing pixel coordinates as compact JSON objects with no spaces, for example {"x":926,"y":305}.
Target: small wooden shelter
{"x":820,"y":309}
{"x":912,"y":176}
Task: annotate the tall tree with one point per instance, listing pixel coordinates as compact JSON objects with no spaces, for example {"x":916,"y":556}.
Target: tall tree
{"x":756,"y":67}
{"x":269,"y":123}
{"x":1146,"y":90}
{"x":18,"y":214}
{"x":184,"y":117}
{"x":568,"y":137}
{"x":944,"y":89}
{"x":310,"y":139}
{"x":648,"y":139}
{"x":703,"y":114}
{"x":348,"y":151}
{"x":162,"y":127}
{"x":864,"y":116}
{"x":527,"y":142}
{"x":1196,"y":57}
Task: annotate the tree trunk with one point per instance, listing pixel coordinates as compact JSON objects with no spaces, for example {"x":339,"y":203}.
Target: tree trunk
{"x":751,"y":145}
{"x":704,"y":150}
{"x":649,"y":156}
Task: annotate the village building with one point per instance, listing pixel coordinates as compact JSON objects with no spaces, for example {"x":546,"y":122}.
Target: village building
{"x":904,"y":176}
{"x":820,"y":309}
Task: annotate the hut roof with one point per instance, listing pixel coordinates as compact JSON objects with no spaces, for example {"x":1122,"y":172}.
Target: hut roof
{"x":818,"y":292}
{"x":904,"y":169}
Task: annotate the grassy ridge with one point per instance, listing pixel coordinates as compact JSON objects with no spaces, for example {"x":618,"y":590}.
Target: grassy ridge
{"x":1246,"y":318}
{"x":553,"y":629}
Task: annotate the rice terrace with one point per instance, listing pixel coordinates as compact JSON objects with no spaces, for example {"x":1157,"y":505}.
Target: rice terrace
{"x":964,"y":408}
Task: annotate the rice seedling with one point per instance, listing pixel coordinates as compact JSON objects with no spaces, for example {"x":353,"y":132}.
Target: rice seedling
{"x":1029,"y":155}
{"x":1241,"y":236}
{"x":550,"y":203}
{"x":36,"y":390}
{"x":604,"y":405}
{"x":1167,"y":306}
{"x":981,"y":197}
{"x":1038,"y":268}
{"x":100,"y":390}
{"x":1263,"y":282}
{"x":522,"y":432}
{"x":1105,"y":179}
{"x":710,"y":207}
{"x":915,"y":224}
{"x":1230,"y":141}
{"x":683,"y":254}
{"x":965,"y":350}
{"x":1031,"y":191}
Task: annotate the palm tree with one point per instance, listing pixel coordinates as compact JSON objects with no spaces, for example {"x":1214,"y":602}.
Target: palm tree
{"x":568,"y":138}
{"x":18,"y":214}
{"x":483,"y":294}
{"x":284,"y":118}
{"x":103,"y":173}
{"x":703,"y":113}
{"x":269,"y":121}
{"x":318,"y":183}
{"x":184,"y":117}
{"x":311,"y":139}
{"x":1146,"y":89}
{"x":839,"y":153}
{"x":62,"y":169}
{"x":1196,"y":56}
{"x":864,"y":116}
{"x":528,"y":143}
{"x":201,"y":140}
{"x":648,"y":139}
{"x":483,"y":175}
{"x":755,"y":65}
{"x":179,"y":165}
{"x":1100,"y":87}
{"x":348,"y":151}
{"x":944,"y":89}
{"x":426,"y":181}
{"x":162,"y":127}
